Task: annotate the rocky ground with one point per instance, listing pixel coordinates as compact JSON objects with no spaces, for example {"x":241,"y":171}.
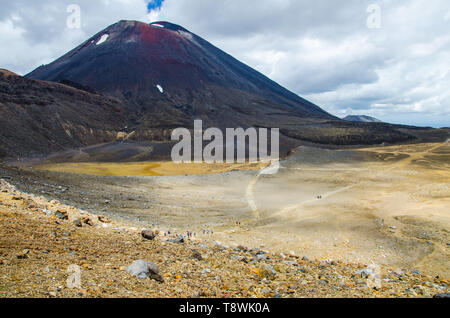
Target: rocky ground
{"x":43,"y":243}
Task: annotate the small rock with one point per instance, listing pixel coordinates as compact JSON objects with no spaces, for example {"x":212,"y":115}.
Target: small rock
{"x":416,"y":272}
{"x":261,"y":257}
{"x":398,"y":272}
{"x":237,"y":258}
{"x":178,"y":240}
{"x":443,"y":295}
{"x":23,"y":254}
{"x":362,"y":282}
{"x":365,"y":273}
{"x":78,"y":223}
{"x":241,"y":248}
{"x":47,"y":212}
{"x":220,"y":246}
{"x":267,"y":272}
{"x":62,"y":215}
{"x":291,"y":263}
{"x":206,"y":271}
{"x":323,"y":265}
{"x":104,"y":219}
{"x":148,"y":235}
{"x":87,"y":221}
{"x":196,"y":255}
{"x":143,"y":270}
{"x":266,"y":291}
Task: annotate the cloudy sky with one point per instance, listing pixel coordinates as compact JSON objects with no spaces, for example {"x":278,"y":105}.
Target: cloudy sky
{"x":386,"y":58}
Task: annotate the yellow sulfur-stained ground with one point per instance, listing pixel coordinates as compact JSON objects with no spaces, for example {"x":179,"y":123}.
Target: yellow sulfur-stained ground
{"x":148,"y":169}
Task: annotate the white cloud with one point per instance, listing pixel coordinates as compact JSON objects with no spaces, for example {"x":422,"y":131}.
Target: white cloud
{"x":35,"y":32}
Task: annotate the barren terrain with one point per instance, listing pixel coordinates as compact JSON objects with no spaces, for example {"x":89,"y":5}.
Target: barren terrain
{"x":385,"y":207}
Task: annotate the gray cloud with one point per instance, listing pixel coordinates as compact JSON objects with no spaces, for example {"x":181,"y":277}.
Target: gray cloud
{"x":325,"y":51}
{"x":322,"y":50}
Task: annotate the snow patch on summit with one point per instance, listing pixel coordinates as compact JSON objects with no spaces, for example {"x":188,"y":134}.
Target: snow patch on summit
{"x":161,"y":90}
{"x":102,"y":39}
{"x":186,"y":35}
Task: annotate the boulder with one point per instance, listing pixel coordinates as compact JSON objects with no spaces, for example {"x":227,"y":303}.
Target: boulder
{"x":142,"y":270}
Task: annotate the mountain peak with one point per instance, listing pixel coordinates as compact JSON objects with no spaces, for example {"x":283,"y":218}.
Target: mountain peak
{"x":124,"y":25}
{"x":168,"y":25}
{"x":130,"y":31}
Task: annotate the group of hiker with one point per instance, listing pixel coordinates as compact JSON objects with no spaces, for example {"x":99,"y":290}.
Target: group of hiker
{"x":189,"y":234}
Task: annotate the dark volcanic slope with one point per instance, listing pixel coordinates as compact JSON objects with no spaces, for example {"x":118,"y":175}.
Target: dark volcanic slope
{"x":42,"y":117}
{"x":195,"y":79}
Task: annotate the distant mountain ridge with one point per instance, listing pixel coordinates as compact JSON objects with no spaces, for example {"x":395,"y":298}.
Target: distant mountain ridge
{"x":362,"y":119}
